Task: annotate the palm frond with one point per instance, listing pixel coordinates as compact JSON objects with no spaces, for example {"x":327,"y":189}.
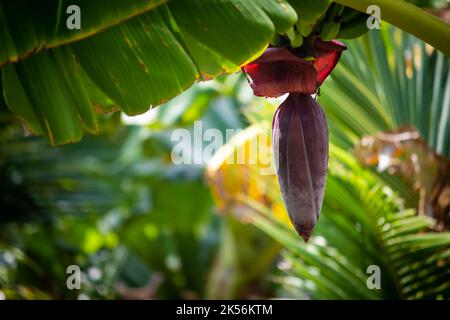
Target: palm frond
{"x":385,"y":80}
{"x":363,"y":223}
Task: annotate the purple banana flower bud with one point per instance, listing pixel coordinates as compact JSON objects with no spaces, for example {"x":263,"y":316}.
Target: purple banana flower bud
{"x":300,"y":134}
{"x":300,"y":144}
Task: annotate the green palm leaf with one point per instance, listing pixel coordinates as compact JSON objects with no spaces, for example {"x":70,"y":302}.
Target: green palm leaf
{"x":363,"y":223}
{"x":388,"y":79}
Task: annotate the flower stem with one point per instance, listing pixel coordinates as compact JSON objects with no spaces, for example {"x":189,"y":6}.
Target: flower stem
{"x":409,"y":18}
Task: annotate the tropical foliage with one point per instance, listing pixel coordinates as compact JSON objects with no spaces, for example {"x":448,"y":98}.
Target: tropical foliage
{"x":142,"y":54}
{"x":386,"y":80}
{"x":364,"y":221}
{"x":364,"y":224}
{"x":107,"y":205}
{"x":141,"y":227}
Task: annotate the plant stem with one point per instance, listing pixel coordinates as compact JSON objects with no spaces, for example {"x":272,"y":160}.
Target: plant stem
{"x":409,"y":18}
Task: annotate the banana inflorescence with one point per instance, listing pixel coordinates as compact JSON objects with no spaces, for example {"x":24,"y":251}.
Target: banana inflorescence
{"x":300,"y":135}
{"x":297,"y":63}
{"x":332,"y":22}
{"x":354,"y":26}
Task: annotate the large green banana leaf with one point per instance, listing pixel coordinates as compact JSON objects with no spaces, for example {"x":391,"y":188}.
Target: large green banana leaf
{"x":133,"y":65}
{"x":27,"y":27}
{"x":130,"y":55}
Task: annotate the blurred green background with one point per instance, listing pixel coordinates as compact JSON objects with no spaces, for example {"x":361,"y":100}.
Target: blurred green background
{"x":140,"y":227}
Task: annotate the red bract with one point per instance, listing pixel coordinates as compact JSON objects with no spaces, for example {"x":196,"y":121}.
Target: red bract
{"x":327,"y":57}
{"x":279,"y":71}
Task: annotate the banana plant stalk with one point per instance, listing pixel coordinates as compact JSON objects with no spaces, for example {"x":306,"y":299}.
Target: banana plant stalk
{"x":300,"y":134}
{"x":410,"y":18}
